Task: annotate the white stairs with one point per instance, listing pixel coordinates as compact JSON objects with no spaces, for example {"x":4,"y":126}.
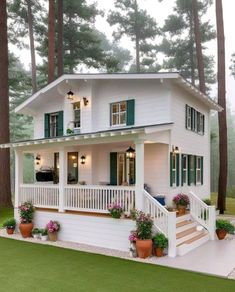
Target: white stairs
{"x":189,"y":234}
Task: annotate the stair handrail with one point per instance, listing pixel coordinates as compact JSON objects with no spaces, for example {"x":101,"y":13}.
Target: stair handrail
{"x":203,"y":213}
{"x":164,"y":221}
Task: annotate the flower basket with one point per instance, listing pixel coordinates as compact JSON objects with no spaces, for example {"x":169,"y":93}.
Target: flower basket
{"x":181,"y":201}
{"x":52,"y":228}
{"x":115,"y":210}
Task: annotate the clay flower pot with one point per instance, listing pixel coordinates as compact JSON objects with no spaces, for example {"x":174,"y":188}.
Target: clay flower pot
{"x":159,"y":252}
{"x":10,"y":231}
{"x":26,"y":229}
{"x":52,"y":236}
{"x":221,"y":233}
{"x":181,"y":209}
{"x":144,"y":247}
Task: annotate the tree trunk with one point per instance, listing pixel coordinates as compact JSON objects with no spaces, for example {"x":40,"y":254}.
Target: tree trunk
{"x":60,"y":38}
{"x":32,"y":48}
{"x":223,"y":155}
{"x":197,"y":35}
{"x":191,"y":53}
{"x":51,"y":41}
{"x":5,"y":183}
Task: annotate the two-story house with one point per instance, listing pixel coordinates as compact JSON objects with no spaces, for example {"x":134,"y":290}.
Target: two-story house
{"x":100,"y":138}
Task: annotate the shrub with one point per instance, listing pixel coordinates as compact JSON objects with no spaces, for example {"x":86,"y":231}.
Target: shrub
{"x":160,"y":240}
{"x":9,"y":223}
{"x":26,"y":211}
{"x":222,"y":224}
{"x":181,"y":199}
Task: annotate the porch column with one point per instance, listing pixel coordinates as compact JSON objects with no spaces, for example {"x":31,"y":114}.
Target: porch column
{"x":139,"y":174}
{"x":62,"y":177}
{"x":18,"y":175}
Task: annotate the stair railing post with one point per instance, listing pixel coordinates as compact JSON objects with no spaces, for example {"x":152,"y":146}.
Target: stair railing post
{"x":171,"y":234}
{"x":212,"y":219}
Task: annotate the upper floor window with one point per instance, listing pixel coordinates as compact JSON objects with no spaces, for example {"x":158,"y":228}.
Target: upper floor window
{"x":194,"y":120}
{"x":122,"y":113}
{"x":53,"y":124}
{"x":77,"y":114}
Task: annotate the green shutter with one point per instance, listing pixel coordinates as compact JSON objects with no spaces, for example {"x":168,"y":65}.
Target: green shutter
{"x":130,"y":120}
{"x":113,"y":168}
{"x":186,"y":116}
{"x":189,"y":171}
{"x":202,"y":170}
{"x":182,"y":163}
{"x":60,"y":124}
{"x":46,"y":125}
{"x":177,"y":170}
{"x":194,"y":168}
{"x":192,"y":119}
{"x":203,"y":124}
{"x":171,"y":176}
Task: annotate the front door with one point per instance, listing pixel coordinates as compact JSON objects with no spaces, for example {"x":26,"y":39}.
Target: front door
{"x":125,"y":170}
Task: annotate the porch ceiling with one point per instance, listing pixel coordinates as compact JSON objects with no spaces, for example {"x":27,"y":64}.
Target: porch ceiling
{"x":102,"y":136}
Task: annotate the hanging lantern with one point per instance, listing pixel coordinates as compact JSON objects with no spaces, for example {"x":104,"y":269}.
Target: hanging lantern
{"x":130,"y":152}
{"x":70,"y":95}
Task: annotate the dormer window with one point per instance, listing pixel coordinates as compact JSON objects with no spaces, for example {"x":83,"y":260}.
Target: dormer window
{"x":77,"y":114}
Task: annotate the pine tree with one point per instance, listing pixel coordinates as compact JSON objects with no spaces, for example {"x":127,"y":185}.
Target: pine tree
{"x":232,"y":67}
{"x":135,"y":23}
{"x":51,"y":41}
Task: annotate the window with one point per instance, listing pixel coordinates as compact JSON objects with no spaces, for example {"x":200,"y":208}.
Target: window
{"x":184,"y":165}
{"x":194,"y":120}
{"x":72,"y":168}
{"x":53,"y":124}
{"x":77,"y":114}
{"x":118,"y":113}
{"x":188,"y":117}
{"x":199,"y":166}
{"x":174,"y":170}
{"x":191,"y":170}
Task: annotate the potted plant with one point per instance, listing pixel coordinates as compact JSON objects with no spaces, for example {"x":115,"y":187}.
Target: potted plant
{"x":133,"y":238}
{"x":10,"y":225}
{"x":69,"y":131}
{"x":36,"y":233}
{"x":160,"y":242}
{"x":44,"y":235}
{"x":144,"y":243}
{"x":223,"y":227}
{"x":115,"y":210}
{"x":181,"y":201}
{"x":52,"y":228}
{"x":26,"y":211}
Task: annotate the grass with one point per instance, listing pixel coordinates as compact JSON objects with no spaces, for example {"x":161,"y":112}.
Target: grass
{"x":230,"y":204}
{"x":5,"y":213}
{"x":33,"y":267}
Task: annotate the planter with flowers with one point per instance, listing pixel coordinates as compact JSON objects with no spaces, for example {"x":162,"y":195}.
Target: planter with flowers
{"x":144,"y":243}
{"x":181,"y":201}
{"x":115,"y":210}
{"x":10,"y":225}
{"x":26,"y":211}
{"x":133,"y":238}
{"x":52,"y":228}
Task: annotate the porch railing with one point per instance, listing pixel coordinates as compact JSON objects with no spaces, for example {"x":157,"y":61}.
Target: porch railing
{"x":202,"y":213}
{"x":46,"y":196}
{"x":164,"y":221}
{"x":98,"y":198}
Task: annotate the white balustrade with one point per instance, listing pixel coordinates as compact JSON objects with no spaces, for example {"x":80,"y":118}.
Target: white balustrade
{"x":40,"y":195}
{"x":98,"y":198}
{"x":202,"y":213}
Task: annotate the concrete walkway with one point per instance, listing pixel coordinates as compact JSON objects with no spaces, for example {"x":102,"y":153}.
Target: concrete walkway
{"x":214,"y":257}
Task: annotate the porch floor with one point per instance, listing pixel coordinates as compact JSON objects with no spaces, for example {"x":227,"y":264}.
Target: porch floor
{"x":214,"y":257}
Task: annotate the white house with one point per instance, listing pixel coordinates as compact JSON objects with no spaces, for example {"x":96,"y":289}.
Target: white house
{"x":100,"y":138}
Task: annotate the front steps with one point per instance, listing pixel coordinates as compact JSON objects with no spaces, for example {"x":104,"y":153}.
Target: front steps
{"x":187,"y":236}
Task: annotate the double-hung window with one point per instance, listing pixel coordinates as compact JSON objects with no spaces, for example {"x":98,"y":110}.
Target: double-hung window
{"x":184,"y":166}
{"x":174,"y":169}
{"x":199,"y":173}
{"x":188,"y":117}
{"x":118,"y":113}
{"x":194,"y":120}
{"x":77,"y":114}
{"x":54,"y":125}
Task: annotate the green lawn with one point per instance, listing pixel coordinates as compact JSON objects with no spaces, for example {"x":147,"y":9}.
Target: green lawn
{"x":33,"y":267}
{"x":230,"y":204}
{"x":5,"y":213}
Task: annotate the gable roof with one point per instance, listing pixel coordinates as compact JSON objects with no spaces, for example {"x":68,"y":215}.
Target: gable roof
{"x":175,"y":76}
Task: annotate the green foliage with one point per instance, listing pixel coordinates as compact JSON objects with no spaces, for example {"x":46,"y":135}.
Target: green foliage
{"x":160,"y":240}
{"x":9,"y":223}
{"x":222,"y":224}
{"x":144,"y":225}
{"x":44,"y":231}
{"x":26,"y":211}
{"x":36,"y":231}
{"x":207,"y":201}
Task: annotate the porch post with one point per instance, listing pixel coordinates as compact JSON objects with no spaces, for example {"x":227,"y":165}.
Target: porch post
{"x":62,"y":178}
{"x":139,"y":174}
{"x":18,"y":176}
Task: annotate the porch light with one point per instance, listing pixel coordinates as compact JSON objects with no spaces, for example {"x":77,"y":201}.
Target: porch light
{"x":70,"y":95}
{"x":83,"y":159}
{"x":38,"y":159}
{"x":85,"y":101}
{"x":130,"y":152}
{"x":175,"y":150}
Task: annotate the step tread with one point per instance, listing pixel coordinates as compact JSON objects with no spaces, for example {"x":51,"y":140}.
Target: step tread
{"x":186,"y":232}
{"x":183,"y":223}
{"x":193,"y":239}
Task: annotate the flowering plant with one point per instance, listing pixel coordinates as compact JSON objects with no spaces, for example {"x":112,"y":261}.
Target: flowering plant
{"x":181,"y":199}
{"x":133,"y":236}
{"x":26,"y":211}
{"x":53,"y":226}
{"x":115,"y":210}
{"x":144,"y":224}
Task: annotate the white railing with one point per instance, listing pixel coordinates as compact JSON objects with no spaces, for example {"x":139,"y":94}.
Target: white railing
{"x":40,"y":195}
{"x":98,"y":198}
{"x":202,"y":213}
{"x":164,"y":221}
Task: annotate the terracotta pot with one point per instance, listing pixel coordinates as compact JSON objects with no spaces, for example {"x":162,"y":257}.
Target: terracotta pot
{"x":144,"y":248}
{"x":10,"y":231}
{"x":26,"y":229}
{"x":52,"y":236}
{"x":221,"y":233}
{"x":159,"y":251}
{"x":181,"y":210}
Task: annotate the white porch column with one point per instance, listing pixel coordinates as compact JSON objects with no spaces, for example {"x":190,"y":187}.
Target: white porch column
{"x":139,"y":174}
{"x":18,"y":176}
{"x":62,"y":177}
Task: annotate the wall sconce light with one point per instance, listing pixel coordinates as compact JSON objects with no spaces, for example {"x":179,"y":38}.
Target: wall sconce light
{"x":85,"y":101}
{"x":175,"y":150}
{"x":130,"y":152}
{"x":38,"y":159}
{"x":70,"y":95}
{"x":83,"y":159}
